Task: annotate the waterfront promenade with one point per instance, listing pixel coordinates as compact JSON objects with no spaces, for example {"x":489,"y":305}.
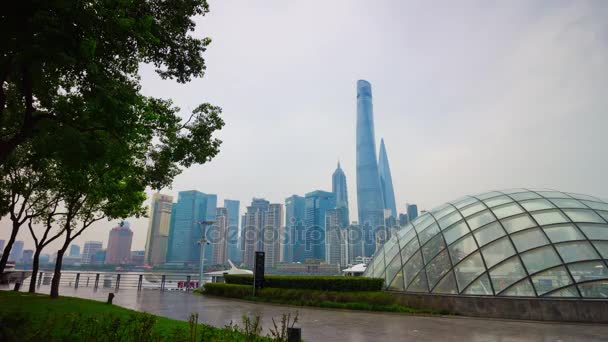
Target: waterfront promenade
{"x":344,"y":325}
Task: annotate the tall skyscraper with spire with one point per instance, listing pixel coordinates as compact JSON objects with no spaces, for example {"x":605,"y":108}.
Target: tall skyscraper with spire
{"x":386,"y":181}
{"x":369,"y":192}
{"x":338,"y":182}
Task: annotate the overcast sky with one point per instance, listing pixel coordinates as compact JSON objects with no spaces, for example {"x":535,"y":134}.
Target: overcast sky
{"x":468,"y":95}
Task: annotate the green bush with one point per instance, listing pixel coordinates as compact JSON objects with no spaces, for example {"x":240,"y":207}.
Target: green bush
{"x":326,"y":283}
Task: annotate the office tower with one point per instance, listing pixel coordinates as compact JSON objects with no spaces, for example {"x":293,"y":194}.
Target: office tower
{"x":338,"y":184}
{"x":294,"y":231}
{"x":333,"y":237}
{"x":242,"y":239}
{"x":386,"y":181}
{"x":157,"y":239}
{"x":316,"y":205}
{"x":234,"y":253}
{"x":219,"y":237}
{"x":137,"y":258}
{"x":344,"y":247}
{"x":89,"y":250}
{"x":210,"y":216}
{"x":412,"y":212}
{"x":254,"y":228}
{"x":356,"y":242}
{"x":273,"y":234}
{"x":369,"y":193}
{"x":26,"y":257}
{"x":403,"y":220}
{"x":74,"y":251}
{"x":16,"y":251}
{"x":187,"y":224}
{"x":98,"y":257}
{"x":119,"y":245}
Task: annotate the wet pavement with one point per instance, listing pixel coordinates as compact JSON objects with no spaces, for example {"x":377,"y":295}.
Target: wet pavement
{"x":345,"y":325}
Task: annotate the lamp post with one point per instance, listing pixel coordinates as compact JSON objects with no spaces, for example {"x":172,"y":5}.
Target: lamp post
{"x":202,"y":242}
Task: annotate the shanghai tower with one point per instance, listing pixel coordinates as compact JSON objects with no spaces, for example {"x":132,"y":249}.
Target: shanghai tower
{"x":369,"y":193}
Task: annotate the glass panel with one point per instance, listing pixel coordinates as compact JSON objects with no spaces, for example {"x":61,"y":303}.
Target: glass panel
{"x":397,"y":283}
{"x":567,"y":203}
{"x":517,"y":223}
{"x":596,"y":205}
{"x":524,"y":196}
{"x":409,"y":250}
{"x":393,"y":267}
{"x":507,"y":210}
{"x":412,"y":267}
{"x":553,"y":194}
{"x":447,"y":285}
{"x":497,"y":251}
{"x":472,"y":209}
{"x":551,"y":279}
{"x":489,"y":233}
{"x":602,"y":247}
{"x":464,"y":202}
{"x":598,"y":289}
{"x":492,"y":202}
{"x":509,"y":272}
{"x":595,"y":231}
{"x":568,"y":292}
{"x":536,"y":204}
{"x":580,"y":215}
{"x":488,"y":195}
{"x":529,"y":239}
{"x":513,"y":191}
{"x":456,"y":232}
{"x":432,"y":248}
{"x":549,"y":217}
{"x":448,"y":220}
{"x":603,"y":214}
{"x":587,"y":271}
{"x":462,"y":248}
{"x":428,"y":233}
{"x":391,"y":248}
{"x":423,"y":222}
{"x":567,"y":232}
{"x":437,"y":268}
{"x":480,"y":219}
{"x":582,"y":197}
{"x":405,"y":235}
{"x":419,"y":284}
{"x":444,"y":211}
{"x":576,"y":251}
{"x":540,"y":259}
{"x":480,"y":287}
{"x":521,"y":289}
{"x":468,"y":270}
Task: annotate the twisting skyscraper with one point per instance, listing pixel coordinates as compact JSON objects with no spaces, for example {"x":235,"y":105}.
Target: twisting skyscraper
{"x":369,"y":193}
{"x":386,"y":181}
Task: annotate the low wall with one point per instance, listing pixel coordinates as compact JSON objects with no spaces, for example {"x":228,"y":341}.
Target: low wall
{"x":538,"y":309}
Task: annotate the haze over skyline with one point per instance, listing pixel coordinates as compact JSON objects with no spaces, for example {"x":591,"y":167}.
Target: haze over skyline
{"x":468,"y":97}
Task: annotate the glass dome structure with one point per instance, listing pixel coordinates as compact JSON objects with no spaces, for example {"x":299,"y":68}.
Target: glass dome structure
{"x":519,"y":242}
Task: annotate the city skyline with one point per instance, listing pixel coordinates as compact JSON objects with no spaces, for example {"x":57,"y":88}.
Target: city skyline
{"x":447,"y":107}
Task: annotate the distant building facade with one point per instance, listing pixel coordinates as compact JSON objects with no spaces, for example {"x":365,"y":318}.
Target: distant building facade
{"x":89,"y":250}
{"x":386,"y":181}
{"x":16,"y":251}
{"x":219,"y":237}
{"x":137,"y":258}
{"x":412,"y":212}
{"x":234,"y":251}
{"x":157,"y":239}
{"x":254,"y":228}
{"x":74,"y":251}
{"x":273,"y":235}
{"x":119,"y":245}
{"x":26,"y":257}
{"x":295,"y":209}
{"x":316,"y":205}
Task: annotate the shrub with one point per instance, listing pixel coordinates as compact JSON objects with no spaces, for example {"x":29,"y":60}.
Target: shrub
{"x":326,"y":283}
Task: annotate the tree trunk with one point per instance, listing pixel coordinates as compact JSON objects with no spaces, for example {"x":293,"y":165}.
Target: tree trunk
{"x":35,"y":267}
{"x":57,"y":274}
{"x":8,"y":247}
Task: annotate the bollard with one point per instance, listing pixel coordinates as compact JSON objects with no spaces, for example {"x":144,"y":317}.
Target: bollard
{"x":139,"y":282}
{"x":294,"y":334}
{"x":96,"y":281}
{"x":110,"y":298}
{"x":117,"y":281}
{"x":77,"y":280}
{"x":17,"y":286}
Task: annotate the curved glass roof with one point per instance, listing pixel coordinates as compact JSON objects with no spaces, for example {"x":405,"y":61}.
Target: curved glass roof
{"x":519,"y":242}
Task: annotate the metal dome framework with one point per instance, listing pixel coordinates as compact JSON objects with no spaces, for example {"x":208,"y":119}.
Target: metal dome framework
{"x":519,"y":242}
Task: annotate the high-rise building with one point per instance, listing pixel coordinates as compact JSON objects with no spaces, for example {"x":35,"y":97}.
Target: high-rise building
{"x":356,"y":243}
{"x":187,"y":223}
{"x":254,"y":229}
{"x":137,"y":258}
{"x":370,"y":202}
{"x":403,"y":220}
{"x":26,"y":257}
{"x":210,"y":212}
{"x":293,"y":241}
{"x":98,"y":257}
{"x":119,"y":245}
{"x":74,"y":251}
{"x":316,"y":205}
{"x":338,"y":184}
{"x":242,"y":239}
{"x":412,"y":212}
{"x":273,"y":234}
{"x":89,"y":250}
{"x":333,"y":237}
{"x":16,"y":251}
{"x":157,"y":239}
{"x":386,"y":181}
{"x":219,"y":237}
{"x":234,"y":253}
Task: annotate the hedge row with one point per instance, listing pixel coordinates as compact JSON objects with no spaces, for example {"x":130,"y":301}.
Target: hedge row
{"x":325,"y":283}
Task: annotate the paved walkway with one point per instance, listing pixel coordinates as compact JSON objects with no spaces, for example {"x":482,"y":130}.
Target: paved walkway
{"x":345,"y":325}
